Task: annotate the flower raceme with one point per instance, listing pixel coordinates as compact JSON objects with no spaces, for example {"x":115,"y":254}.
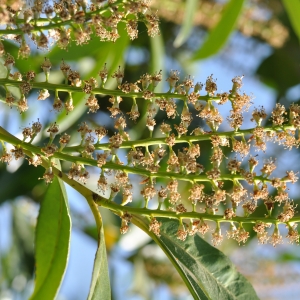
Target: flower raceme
{"x":59,"y":22}
{"x":227,"y":190}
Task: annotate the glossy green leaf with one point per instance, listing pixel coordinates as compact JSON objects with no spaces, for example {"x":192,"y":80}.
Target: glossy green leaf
{"x":292,"y":8}
{"x":206,"y":271}
{"x":218,"y":36}
{"x":100,"y":284}
{"x":52,"y":241}
{"x":187,"y":25}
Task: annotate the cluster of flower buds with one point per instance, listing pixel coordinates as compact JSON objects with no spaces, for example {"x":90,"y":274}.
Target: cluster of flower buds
{"x":161,"y":162}
{"x":97,"y":17}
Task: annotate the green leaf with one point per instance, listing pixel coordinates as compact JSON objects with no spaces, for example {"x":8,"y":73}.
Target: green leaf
{"x":187,"y":25}
{"x":100,"y":284}
{"x":292,"y":8}
{"x":281,"y":59}
{"x":52,"y":242}
{"x":221,"y":32}
{"x":157,"y":58}
{"x":206,"y":271}
{"x":3,"y":70}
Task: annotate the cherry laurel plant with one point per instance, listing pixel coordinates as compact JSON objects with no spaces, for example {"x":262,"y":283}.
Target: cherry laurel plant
{"x":64,"y":21}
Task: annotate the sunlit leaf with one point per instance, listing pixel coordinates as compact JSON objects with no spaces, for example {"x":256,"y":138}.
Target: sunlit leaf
{"x":293,"y":10}
{"x":218,"y":36}
{"x":3,"y":70}
{"x":206,"y":271}
{"x":187,"y":25}
{"x":157,"y":57}
{"x":100,"y":284}
{"x":51,"y":242}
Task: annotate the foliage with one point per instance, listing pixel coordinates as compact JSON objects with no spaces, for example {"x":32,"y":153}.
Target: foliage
{"x":132,"y":125}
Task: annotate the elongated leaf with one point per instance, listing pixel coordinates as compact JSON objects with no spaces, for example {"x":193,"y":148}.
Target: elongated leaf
{"x":3,"y":70}
{"x":187,"y":25}
{"x":221,"y":32}
{"x":100,"y":284}
{"x":157,"y":58}
{"x":52,"y":242}
{"x":292,"y":8}
{"x":206,"y":271}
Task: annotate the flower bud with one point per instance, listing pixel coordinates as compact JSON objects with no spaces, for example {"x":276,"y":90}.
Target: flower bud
{"x":145,"y":80}
{"x":156,"y":78}
{"x":46,"y":66}
{"x":57,"y":104}
{"x":48,"y":175}
{"x":198,"y":87}
{"x":24,"y":50}
{"x":69,"y":104}
{"x":28,"y":15}
{"x":65,"y":68}
{"x":9,"y":62}
{"x":53,"y":130}
{"x":103,"y":74}
{"x":173,"y":78}
{"x":43,"y":95}
{"x":119,"y":75}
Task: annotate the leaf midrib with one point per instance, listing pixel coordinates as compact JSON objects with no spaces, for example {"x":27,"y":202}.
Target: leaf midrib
{"x":203,"y":267}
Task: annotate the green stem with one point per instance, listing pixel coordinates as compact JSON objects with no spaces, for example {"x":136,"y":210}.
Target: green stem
{"x":182,"y":139}
{"x":98,"y":91}
{"x":39,"y":24}
{"x":187,"y":215}
{"x":95,"y":199}
{"x":7,"y":137}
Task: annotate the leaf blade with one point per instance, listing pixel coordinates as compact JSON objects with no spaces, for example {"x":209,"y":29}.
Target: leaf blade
{"x":100,"y":283}
{"x":3,"y":70}
{"x":157,"y":57}
{"x":221,"y":32}
{"x":187,"y":25}
{"x":207,"y":272}
{"x":293,"y":10}
{"x":52,"y":241}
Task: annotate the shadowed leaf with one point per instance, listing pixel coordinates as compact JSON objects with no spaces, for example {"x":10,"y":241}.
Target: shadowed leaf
{"x":206,"y":271}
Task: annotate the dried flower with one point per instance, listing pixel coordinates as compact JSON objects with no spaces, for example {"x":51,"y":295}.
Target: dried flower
{"x":182,"y":233}
{"x":154,"y":226}
{"x":217,"y":237}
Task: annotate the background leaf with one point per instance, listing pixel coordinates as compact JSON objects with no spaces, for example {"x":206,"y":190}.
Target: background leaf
{"x":157,"y":57}
{"x":293,"y":11}
{"x":221,"y":32}
{"x":100,"y":284}
{"x":187,"y":25}
{"x":3,"y":70}
{"x":52,"y":241}
{"x":207,"y":272}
